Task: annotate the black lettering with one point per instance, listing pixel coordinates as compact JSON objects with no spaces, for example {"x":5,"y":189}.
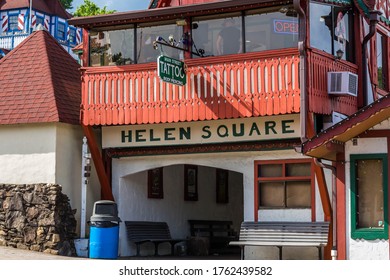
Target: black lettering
{"x":138,"y":135}
{"x":152,"y":139}
{"x":185,"y":133}
{"x":207,"y":131}
{"x":168,"y":134}
{"x":226,"y":132}
{"x":242,"y":130}
{"x":254,"y":128}
{"x":286,"y":126}
{"x":270,"y":126}
{"x":128,"y":136}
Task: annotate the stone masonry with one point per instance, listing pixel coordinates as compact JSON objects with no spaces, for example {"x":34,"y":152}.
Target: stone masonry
{"x":37,"y":217}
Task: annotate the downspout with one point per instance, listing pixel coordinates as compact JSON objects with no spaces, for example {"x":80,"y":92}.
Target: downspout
{"x":334,"y":205}
{"x":374,"y":19}
{"x":302,"y":68}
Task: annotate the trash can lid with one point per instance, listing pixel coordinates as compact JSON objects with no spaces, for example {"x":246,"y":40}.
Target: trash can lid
{"x":105,"y":210}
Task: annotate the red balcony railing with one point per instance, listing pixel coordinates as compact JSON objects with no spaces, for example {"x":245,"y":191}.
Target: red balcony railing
{"x":244,"y":85}
{"x":319,"y":64}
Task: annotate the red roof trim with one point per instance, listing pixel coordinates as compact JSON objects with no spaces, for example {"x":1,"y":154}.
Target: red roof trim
{"x":355,"y":120}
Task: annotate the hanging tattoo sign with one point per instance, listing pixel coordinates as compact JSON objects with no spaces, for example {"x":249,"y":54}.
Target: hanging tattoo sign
{"x":171,"y":70}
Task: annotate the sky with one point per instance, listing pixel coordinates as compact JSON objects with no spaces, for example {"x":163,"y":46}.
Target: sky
{"x":118,"y":5}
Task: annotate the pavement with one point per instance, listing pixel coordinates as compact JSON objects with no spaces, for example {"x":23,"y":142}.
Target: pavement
{"x":10,"y":253}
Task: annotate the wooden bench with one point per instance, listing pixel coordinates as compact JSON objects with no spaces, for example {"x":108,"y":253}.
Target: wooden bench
{"x":141,"y":232}
{"x":279,"y":234}
{"x":219,"y":233}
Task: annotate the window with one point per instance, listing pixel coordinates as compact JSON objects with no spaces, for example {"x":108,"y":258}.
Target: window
{"x":284,"y":184}
{"x":40,"y":21}
{"x":331,"y":29}
{"x":270,"y":29}
{"x":72,"y":36}
{"x":369,"y":196}
{"x":218,"y":36}
{"x":147,"y":34}
{"x":61,"y":31}
{"x":381,"y":54}
{"x":112,"y":47}
{"x":13,"y":23}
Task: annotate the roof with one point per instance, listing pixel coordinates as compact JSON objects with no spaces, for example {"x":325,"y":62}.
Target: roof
{"x":326,"y":144}
{"x":167,"y":13}
{"x":52,"y":7}
{"x":39,"y":82}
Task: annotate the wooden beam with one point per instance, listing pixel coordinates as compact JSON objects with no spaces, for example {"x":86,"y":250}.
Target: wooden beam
{"x":341,"y":207}
{"x":106,"y":191}
{"x":327,"y":208}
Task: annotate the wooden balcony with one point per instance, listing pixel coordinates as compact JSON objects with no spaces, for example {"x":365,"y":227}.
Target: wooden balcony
{"x":235,"y":86}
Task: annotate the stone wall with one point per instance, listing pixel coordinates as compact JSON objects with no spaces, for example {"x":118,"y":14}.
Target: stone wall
{"x":37,"y":217}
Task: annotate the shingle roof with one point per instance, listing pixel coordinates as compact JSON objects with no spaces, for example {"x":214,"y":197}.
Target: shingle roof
{"x":39,"y":82}
{"x":52,"y":7}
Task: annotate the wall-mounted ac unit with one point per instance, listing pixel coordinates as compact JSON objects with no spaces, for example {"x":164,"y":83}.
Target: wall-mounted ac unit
{"x":342,"y":84}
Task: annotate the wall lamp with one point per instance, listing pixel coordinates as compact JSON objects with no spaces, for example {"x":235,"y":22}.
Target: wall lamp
{"x":339,"y":54}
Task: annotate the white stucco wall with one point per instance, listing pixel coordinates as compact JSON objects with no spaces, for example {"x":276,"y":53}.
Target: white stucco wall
{"x":129,"y":177}
{"x":27,"y":153}
{"x":46,"y":153}
{"x":363,"y":249}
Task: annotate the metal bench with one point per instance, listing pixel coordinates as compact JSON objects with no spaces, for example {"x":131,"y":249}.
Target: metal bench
{"x":141,"y":232}
{"x":219,"y":233}
{"x":279,"y":234}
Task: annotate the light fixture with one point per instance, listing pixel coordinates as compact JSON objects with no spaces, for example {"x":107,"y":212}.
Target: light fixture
{"x":181,"y":22}
{"x":339,"y":54}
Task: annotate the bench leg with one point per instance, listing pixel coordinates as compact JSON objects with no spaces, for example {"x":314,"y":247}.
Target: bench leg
{"x":242,"y":252}
{"x":319,"y":252}
{"x":138,"y":249}
{"x":280,"y":253}
{"x":156,"y":248}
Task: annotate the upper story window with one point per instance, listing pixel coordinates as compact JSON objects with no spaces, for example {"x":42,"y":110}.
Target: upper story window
{"x":224,"y":34}
{"x":331,"y":29}
{"x":13,"y":23}
{"x":369,"y":196}
{"x":218,"y":36}
{"x":112,"y":47}
{"x":381,"y":58}
{"x":72,"y":36}
{"x":147,"y":33}
{"x":284,"y":184}
{"x":271,"y":29}
{"x":61,"y":31}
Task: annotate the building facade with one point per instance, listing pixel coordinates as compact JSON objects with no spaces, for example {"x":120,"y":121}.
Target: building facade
{"x":224,"y":140}
{"x":18,"y":20}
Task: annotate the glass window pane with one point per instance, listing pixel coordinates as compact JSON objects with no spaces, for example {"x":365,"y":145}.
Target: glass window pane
{"x":146,"y":35}
{"x":321,"y":27}
{"x":270,"y":29}
{"x":270,"y":170}
{"x":369,"y":181}
{"x":342,"y":35}
{"x":380,"y":59}
{"x":271,"y":194}
{"x":298,"y":169}
{"x":13,"y":23}
{"x":298,"y":194}
{"x":218,"y":36}
{"x":113,"y":47}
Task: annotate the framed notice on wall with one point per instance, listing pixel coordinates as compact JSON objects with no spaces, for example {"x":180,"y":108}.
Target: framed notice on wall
{"x":155,"y":183}
{"x":222,"y":185}
{"x":190,"y":182}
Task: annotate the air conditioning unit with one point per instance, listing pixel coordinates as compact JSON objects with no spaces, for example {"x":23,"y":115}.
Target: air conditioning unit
{"x":342,"y":84}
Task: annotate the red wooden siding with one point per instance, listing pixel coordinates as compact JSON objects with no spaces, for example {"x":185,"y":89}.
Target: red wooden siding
{"x":244,"y":85}
{"x":319,"y":64}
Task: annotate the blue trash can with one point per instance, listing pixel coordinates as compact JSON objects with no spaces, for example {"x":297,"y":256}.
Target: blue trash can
{"x":104,"y":231}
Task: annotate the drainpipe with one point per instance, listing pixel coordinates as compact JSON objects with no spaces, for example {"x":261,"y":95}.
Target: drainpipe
{"x":302,"y":68}
{"x":374,"y":19}
{"x":334,"y":205}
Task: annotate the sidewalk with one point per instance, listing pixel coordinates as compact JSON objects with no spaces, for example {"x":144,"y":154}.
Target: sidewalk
{"x":9,"y":253}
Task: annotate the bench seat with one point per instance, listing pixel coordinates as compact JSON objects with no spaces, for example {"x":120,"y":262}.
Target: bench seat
{"x":141,"y":232}
{"x":279,"y":234}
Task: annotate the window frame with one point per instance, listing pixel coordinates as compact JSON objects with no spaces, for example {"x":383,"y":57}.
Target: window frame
{"x":12,"y":23}
{"x":63,"y":37}
{"x":284,"y":178}
{"x":368,"y":233}
{"x":385,"y":73}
